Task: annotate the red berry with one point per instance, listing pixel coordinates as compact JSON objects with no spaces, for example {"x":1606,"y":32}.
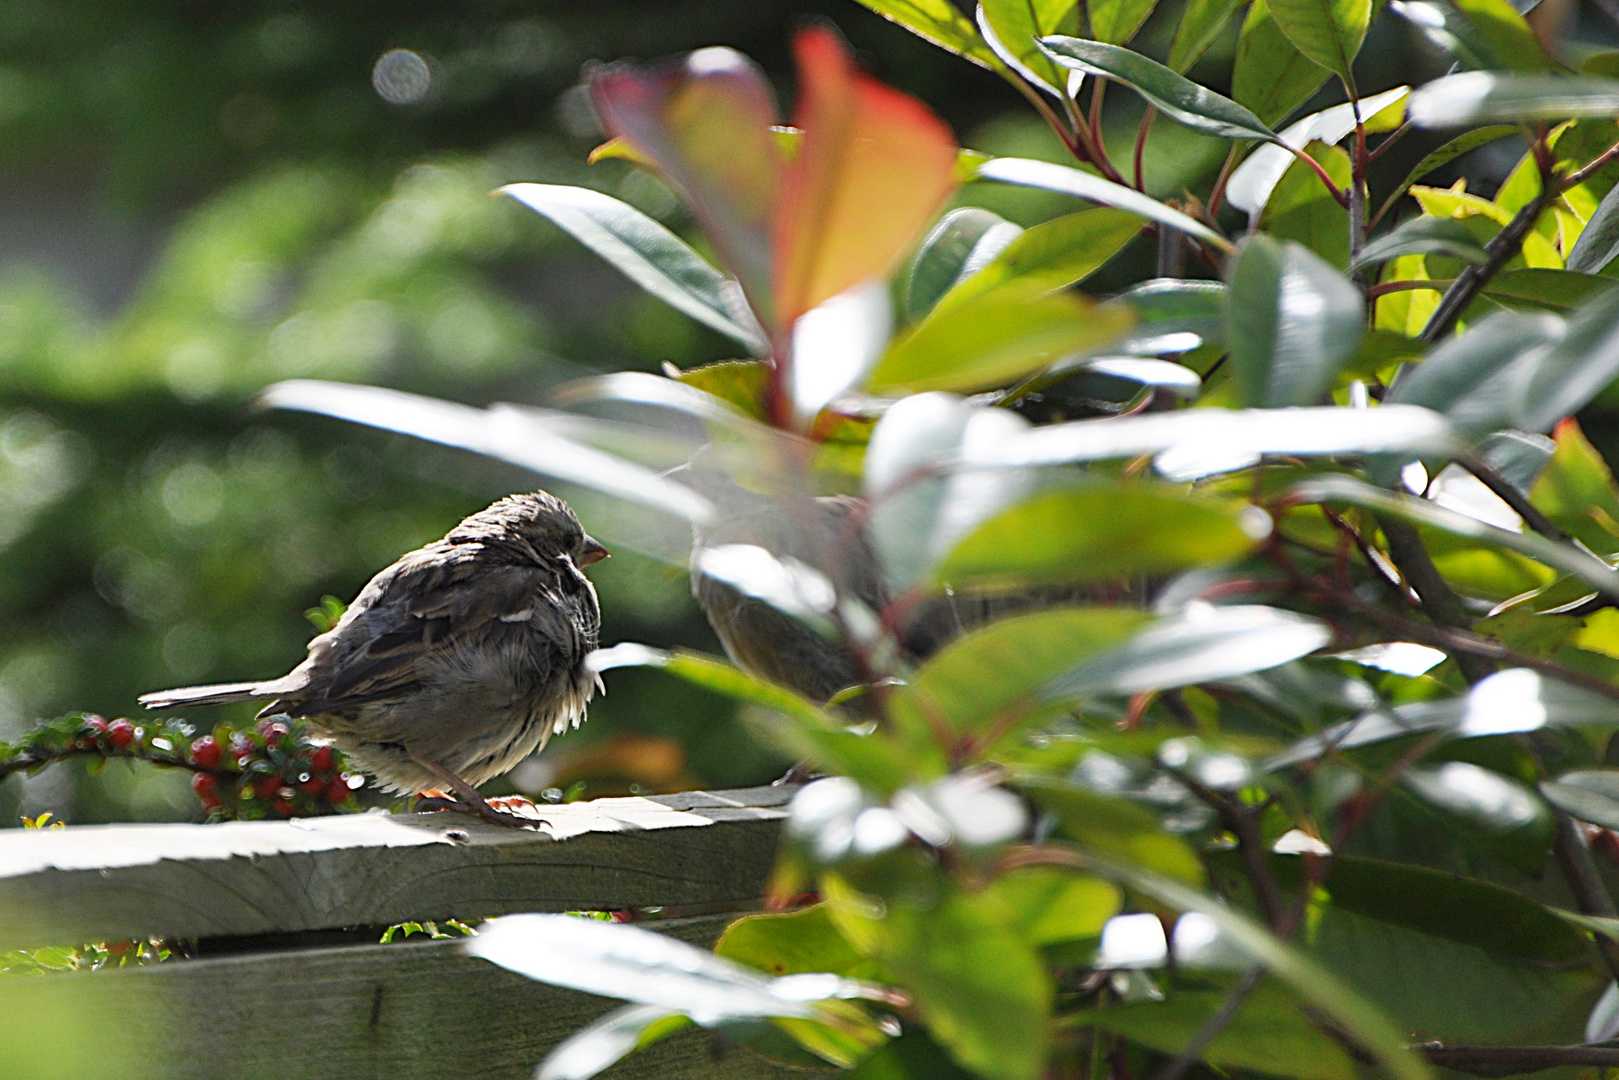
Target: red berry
{"x":322,"y":761}
{"x":273,"y":731}
{"x":120,"y":733}
{"x":266,"y":787}
{"x":338,"y":790}
{"x":205,"y":752}
{"x":207,"y":789}
{"x":94,"y":724}
{"x":312,"y":784}
{"x":282,"y":807}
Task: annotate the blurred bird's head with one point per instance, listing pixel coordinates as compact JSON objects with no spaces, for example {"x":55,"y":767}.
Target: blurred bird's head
{"x":537,"y":520}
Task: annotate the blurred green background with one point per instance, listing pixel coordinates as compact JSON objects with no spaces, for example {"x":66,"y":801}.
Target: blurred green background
{"x":200,"y":198}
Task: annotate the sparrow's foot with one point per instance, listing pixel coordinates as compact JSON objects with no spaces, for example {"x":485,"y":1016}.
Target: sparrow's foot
{"x":470,"y":801}
{"x":521,"y":805}
{"x":802,"y":773}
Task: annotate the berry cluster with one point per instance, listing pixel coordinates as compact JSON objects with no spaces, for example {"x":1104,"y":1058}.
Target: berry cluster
{"x":269,"y":770}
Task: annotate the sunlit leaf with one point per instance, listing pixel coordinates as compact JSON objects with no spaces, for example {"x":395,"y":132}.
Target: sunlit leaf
{"x":647,"y":253}
{"x":1483,"y":798}
{"x":1049,"y":256}
{"x":790,"y":943}
{"x":1052,"y":905}
{"x":1174,"y":315}
{"x":1099,"y":532}
{"x":1293,"y":321}
{"x":871,"y":171}
{"x":1271,"y":76}
{"x":1424,"y":512}
{"x":1483,"y":97}
{"x":704,"y":121}
{"x":1469,"y":377}
{"x":836,"y":343}
{"x":1426,"y":236}
{"x":1174,"y":95}
{"x":1202,"y":644}
{"x":995,"y":338}
{"x":1302,"y":209}
{"x":1252,"y":182}
{"x":1116,"y":21}
{"x":1577,"y":490}
{"x":963,"y":242}
{"x":1065,"y":181}
{"x":511,"y":433}
{"x":1576,"y":368}
{"x":1450,"y":151}
{"x":1546,"y":288}
{"x":601,"y":1043}
{"x":1012,"y":28}
{"x":1115,"y":826}
{"x":1599,"y":240}
{"x":940,"y":22}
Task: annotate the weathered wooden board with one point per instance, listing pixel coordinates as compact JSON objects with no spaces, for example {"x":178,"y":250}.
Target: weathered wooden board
{"x":105,"y":883}
{"x":372,"y":1012}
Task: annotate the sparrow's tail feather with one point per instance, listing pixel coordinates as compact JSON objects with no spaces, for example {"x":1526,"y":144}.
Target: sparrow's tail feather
{"x":217,"y":694}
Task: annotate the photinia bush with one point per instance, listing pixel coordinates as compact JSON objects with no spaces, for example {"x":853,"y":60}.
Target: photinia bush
{"x":1220,"y":674}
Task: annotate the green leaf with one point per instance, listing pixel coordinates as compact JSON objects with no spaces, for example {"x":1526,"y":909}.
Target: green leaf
{"x":1269,"y":1033}
{"x":1424,"y":235}
{"x":1051,"y":906}
{"x":1484,"y":799}
{"x":1251,"y":184}
{"x":940,"y":22}
{"x":1301,"y":209}
{"x":1196,"y":646}
{"x":1293,"y":320}
{"x":1482,"y":34}
{"x":1103,"y":531}
{"x":961,"y":244}
{"x":1329,"y":32}
{"x":1466,"y":378}
{"x":1424,"y":512}
{"x":1548,"y":289}
{"x":980,"y":986}
{"x":1026,"y":172}
{"x":1507,"y":34}
{"x":1116,"y":21}
{"x":1590,"y":795}
{"x":1310,"y":980}
{"x":1167,"y":306}
{"x":1577,"y":368}
{"x":1577,"y":491}
{"x":792,"y":943}
{"x":1012,"y":28}
{"x":998,"y":671}
{"x":912,"y":1056}
{"x":1201,"y":24}
{"x":1119,"y":828}
{"x":1271,"y":76}
{"x":1450,"y":151}
{"x":1050,"y":256}
{"x":1174,"y":95}
{"x":606,"y":1040}
{"x":647,"y":253}
{"x":1599,"y":240}
{"x":1482,"y":97}
{"x":994,"y":339}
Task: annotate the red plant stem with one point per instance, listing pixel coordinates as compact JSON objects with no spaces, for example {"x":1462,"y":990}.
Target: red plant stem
{"x":1342,"y":198}
{"x":1141,"y":145}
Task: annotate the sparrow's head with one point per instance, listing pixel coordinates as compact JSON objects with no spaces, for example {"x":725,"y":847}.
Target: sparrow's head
{"x":537,"y":520}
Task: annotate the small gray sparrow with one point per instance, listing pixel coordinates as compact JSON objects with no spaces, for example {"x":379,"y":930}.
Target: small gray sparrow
{"x":456,"y":662}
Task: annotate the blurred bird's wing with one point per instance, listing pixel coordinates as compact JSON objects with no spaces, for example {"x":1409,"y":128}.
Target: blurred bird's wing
{"x":431,"y":603}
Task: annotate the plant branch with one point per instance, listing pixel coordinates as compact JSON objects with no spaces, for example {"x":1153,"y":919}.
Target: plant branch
{"x":1574,"y":858}
{"x":1439,"y":603}
{"x":1386,"y":287}
{"x":1592,"y":167}
{"x":1508,"y":493}
{"x":1217,"y":196}
{"x":1513,"y":1060}
{"x":1383,"y":147}
{"x":1499,"y":251}
{"x":1141,"y":145}
{"x":1214,"y":1025}
{"x":1327,"y":181}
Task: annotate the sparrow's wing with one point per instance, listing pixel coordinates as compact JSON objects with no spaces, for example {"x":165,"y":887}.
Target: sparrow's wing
{"x":430,"y":603}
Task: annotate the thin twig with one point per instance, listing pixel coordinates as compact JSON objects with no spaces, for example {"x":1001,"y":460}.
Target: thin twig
{"x":1499,"y":251}
{"x":1508,"y":493}
{"x":1574,"y":859}
{"x":1386,"y":287}
{"x":1439,"y":603}
{"x":1141,"y":145}
{"x":1214,"y":1025}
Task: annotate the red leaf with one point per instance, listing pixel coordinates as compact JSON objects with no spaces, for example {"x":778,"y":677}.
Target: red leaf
{"x":873,"y":169}
{"x":704,"y":122}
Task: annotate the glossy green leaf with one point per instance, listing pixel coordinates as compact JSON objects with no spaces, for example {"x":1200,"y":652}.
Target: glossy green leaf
{"x":1591,"y":795}
{"x":1327,"y":31}
{"x":1201,"y":24}
{"x":1577,"y":490}
{"x":1271,"y":76}
{"x":1065,"y":181}
{"x":1466,"y":378}
{"x":1115,"y":826}
{"x":1313,"y":983}
{"x":1484,"y":799}
{"x":1575,"y":369}
{"x":1252,"y":182}
{"x":606,"y":1040}
{"x":1116,"y":21}
{"x":1423,"y":512}
{"x":977,"y":681}
{"x":1599,"y":240}
{"x":1484,"y":35}
{"x":1482,"y":97}
{"x":961,"y":244}
{"x":1013,"y":27}
{"x":1546,"y":288}
{"x":646,"y":252}
{"x":1424,"y":235}
{"x":1450,"y":151}
{"x":1174,"y":95}
{"x":1103,"y":531}
{"x":940,"y":22}
{"x":1269,"y":1033}
{"x":1301,"y":208}
{"x":1174,"y":306}
{"x":1050,"y":905}
{"x":1508,"y":35}
{"x":1293,"y":320}
{"x":1050,"y":256}
{"x":740,"y":383}
{"x":791,"y":943}
{"x":912,"y":1056}
{"x":994,"y":339}
{"x":981,"y":987}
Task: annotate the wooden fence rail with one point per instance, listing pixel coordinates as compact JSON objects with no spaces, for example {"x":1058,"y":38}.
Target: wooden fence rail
{"x":258,"y":904}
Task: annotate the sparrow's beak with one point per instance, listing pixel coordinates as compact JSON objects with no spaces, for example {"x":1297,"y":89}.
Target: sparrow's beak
{"x":592,"y":552}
